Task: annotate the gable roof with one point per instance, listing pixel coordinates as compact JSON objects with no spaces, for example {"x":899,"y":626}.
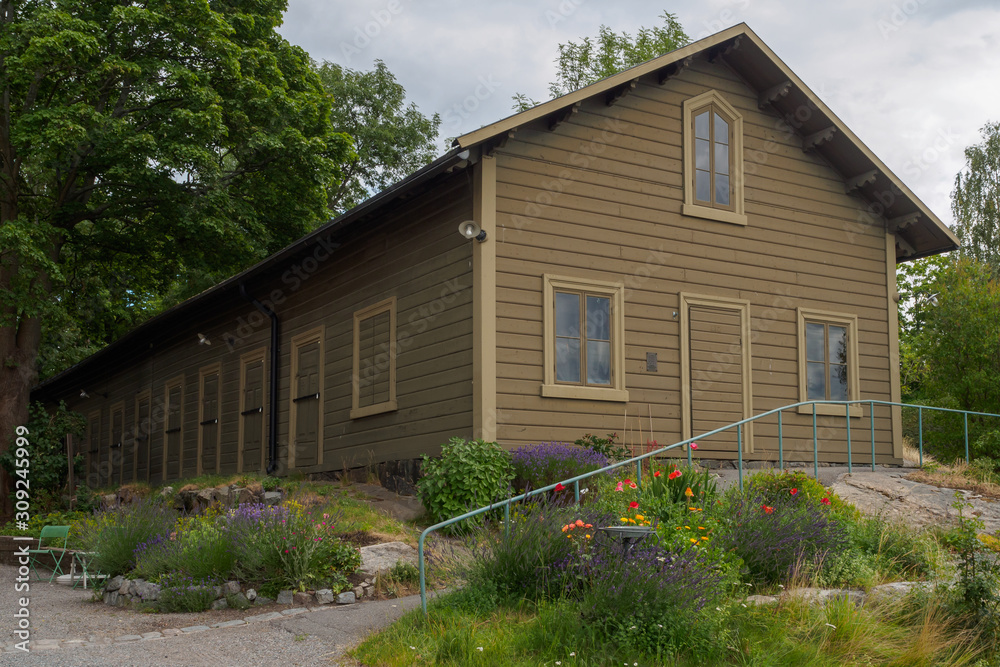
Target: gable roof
{"x":919,"y":231}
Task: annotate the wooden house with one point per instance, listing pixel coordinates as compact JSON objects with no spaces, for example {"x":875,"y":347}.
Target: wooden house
{"x":690,"y":242}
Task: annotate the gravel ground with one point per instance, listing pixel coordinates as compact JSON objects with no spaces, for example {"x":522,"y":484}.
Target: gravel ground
{"x":61,"y":613}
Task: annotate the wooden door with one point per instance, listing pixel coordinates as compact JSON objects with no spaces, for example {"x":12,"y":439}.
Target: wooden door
{"x":252,"y":416}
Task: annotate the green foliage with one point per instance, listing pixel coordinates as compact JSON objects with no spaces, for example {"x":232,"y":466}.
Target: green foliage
{"x":976,"y":200}
{"x":270,"y":483}
{"x":391,"y":139}
{"x":594,"y":58}
{"x":404,"y":573}
{"x":49,"y":465}
{"x":469,"y":474}
{"x":667,"y":487}
{"x":115,"y":533}
{"x":142,"y":142}
{"x":183,"y":593}
{"x":775,"y":484}
{"x":237,"y":602}
{"x":978,"y":570}
{"x":608,"y":446}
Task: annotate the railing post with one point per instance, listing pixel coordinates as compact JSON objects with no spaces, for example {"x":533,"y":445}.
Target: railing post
{"x":689,"y":454}
{"x":423,"y":574}
{"x":815,"y":446}
{"x":966,"y":414}
{"x":506,"y":513}
{"x":871,"y":418}
{"x":920,"y":432}
{"x":576,"y":492}
{"x":638,"y":473}
{"x":739,"y":452}
{"x":849,"y":467}
{"x":781,"y":451}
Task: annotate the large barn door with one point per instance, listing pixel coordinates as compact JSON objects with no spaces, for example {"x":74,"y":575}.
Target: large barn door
{"x":716,"y":368}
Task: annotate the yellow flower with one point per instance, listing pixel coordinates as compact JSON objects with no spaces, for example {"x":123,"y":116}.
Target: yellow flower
{"x":688,"y":527}
{"x":639,"y":517}
{"x":705,"y":537}
{"x":701,"y":527}
{"x":624,"y":520}
{"x":694,"y":541}
{"x":588,"y":537}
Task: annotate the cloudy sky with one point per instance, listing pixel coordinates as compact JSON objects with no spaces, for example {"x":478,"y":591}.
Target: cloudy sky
{"x":915,"y":79}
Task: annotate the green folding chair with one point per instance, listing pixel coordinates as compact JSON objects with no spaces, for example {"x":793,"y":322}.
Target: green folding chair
{"x":48,"y":545}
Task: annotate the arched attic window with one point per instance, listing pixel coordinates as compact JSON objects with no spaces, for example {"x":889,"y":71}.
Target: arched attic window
{"x":713,"y":159}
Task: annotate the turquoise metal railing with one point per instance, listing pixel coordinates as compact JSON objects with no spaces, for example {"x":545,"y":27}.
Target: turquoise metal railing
{"x":575,"y":481}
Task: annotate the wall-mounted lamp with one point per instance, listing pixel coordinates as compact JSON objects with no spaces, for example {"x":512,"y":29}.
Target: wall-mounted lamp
{"x":471,"y":230}
{"x":203,"y":339}
{"x":84,"y":394}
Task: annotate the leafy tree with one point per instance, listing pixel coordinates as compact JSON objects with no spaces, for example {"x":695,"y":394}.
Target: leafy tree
{"x":391,"y":139}
{"x":49,"y":462}
{"x":976,"y":199}
{"x":594,"y":58}
{"x":140,"y":141}
{"x":957,"y":348}
{"x":917,"y":284}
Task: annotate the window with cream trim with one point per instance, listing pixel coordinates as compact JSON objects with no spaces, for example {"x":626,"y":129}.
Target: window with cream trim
{"x":828,"y":361}
{"x":713,"y":159}
{"x":584,"y":339}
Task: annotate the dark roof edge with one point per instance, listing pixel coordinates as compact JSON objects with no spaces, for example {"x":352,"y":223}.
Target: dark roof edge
{"x":449,"y":159}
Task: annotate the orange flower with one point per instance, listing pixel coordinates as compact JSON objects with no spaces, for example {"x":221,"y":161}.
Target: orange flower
{"x":674,"y":475}
{"x":579,"y":523}
{"x":767,"y":509}
{"x":688,"y":492}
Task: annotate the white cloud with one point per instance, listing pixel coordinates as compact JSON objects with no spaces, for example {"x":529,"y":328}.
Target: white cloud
{"x":914,"y":79}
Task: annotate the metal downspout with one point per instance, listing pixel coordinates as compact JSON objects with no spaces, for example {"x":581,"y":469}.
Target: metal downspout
{"x":272,"y":415}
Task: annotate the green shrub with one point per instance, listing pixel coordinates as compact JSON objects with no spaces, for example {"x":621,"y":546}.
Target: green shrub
{"x":895,"y":549}
{"x":270,"y":483}
{"x":47,"y":452}
{"x":669,"y":486}
{"x":183,"y":593}
{"x":772,"y":485}
{"x":469,"y":474}
{"x":115,"y":533}
{"x":607,"y":447}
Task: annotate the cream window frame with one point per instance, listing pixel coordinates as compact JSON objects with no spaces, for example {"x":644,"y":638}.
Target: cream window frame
{"x":735,"y":213}
{"x":357,"y":411}
{"x":616,"y":292}
{"x":316,"y":335}
{"x":849,"y":321}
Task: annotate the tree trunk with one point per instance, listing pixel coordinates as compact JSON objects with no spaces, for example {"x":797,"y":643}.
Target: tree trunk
{"x":18,"y":354}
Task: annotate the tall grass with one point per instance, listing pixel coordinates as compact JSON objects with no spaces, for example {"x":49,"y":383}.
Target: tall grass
{"x":114,"y":534}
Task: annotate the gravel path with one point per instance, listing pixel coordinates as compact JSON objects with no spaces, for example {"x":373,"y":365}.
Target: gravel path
{"x":69,"y":628}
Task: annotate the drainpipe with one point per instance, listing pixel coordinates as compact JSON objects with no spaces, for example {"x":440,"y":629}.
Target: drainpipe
{"x":272,"y":415}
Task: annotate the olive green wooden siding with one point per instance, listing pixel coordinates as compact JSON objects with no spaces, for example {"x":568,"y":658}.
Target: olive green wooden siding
{"x":411,"y":251}
{"x":600,"y":197}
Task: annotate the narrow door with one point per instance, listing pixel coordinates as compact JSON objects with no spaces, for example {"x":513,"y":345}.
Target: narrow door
{"x":172,"y":434}
{"x":209,"y":424}
{"x":93,"y":451}
{"x":306,"y":393}
{"x":142,"y":432}
{"x":116,"y":445}
{"x":252,"y":415}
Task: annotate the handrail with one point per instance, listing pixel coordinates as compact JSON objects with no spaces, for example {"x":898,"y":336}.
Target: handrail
{"x":637,"y":460}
